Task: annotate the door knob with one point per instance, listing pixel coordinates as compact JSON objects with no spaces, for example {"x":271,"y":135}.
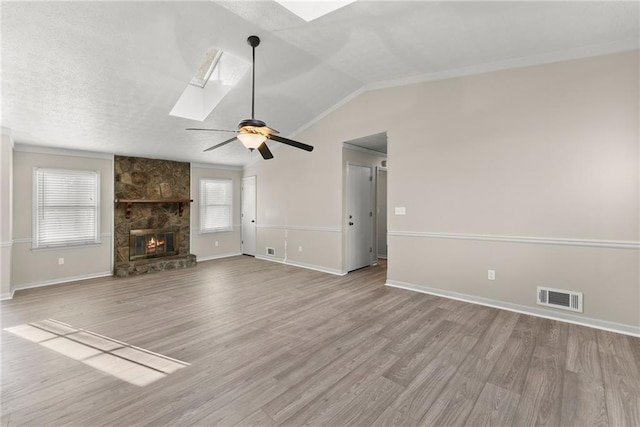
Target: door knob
{"x":350,"y":223}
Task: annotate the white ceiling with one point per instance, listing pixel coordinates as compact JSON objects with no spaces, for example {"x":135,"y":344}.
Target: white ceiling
{"x":103,"y":76}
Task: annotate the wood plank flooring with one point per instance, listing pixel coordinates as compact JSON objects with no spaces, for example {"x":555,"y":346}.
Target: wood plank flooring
{"x":270,"y":345}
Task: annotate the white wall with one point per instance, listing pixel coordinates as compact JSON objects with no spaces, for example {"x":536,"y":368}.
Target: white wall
{"x":40,"y":267}
{"x":541,"y":162}
{"x":6,"y":219}
{"x":204,"y":245}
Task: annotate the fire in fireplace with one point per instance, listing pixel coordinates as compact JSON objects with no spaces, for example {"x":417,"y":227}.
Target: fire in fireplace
{"x":153,"y":243}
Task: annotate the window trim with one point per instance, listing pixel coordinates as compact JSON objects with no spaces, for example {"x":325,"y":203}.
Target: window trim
{"x":35,"y":211}
{"x":203,"y":205}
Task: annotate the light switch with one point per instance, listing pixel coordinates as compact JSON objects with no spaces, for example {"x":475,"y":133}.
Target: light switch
{"x":400,"y":210}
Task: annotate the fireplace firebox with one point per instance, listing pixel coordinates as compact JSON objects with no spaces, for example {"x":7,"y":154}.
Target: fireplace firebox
{"x":153,"y":243}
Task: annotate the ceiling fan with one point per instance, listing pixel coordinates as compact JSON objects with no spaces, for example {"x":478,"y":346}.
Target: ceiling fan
{"x":253,"y":132}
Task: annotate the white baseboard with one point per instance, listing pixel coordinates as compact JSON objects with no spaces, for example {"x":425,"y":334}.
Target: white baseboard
{"x":533,"y":311}
{"x":316,"y":268}
{"x":303,"y":265}
{"x":61,"y":280}
{"x":217,"y":256}
{"x":6,"y":296}
{"x":270,"y":258}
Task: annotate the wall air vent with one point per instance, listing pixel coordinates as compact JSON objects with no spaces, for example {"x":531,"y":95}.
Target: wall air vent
{"x":559,"y":298}
{"x":271,"y":251}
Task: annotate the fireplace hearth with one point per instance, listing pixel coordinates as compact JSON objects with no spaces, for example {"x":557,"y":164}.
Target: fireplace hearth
{"x":153,"y":243}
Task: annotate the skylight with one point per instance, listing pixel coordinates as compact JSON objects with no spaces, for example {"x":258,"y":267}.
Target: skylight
{"x":217,"y":74}
{"x":313,"y":9}
{"x":211,"y":59}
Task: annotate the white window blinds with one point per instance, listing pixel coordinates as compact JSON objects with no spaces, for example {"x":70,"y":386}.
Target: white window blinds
{"x":66,"y":207}
{"x":216,"y":202}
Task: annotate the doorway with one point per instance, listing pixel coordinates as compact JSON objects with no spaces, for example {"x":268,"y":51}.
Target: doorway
{"x":360,"y":225}
{"x":248,"y":215}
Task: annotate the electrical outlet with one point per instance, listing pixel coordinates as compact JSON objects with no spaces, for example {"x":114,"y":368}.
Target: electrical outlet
{"x":216,"y":243}
{"x":491,"y":274}
{"x":60,"y":261}
{"x":299,"y":248}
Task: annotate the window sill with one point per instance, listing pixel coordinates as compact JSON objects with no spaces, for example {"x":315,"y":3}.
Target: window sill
{"x":225,"y":230}
{"x":74,"y":246}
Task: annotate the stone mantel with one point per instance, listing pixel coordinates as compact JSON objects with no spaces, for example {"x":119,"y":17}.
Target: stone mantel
{"x":129,"y":202}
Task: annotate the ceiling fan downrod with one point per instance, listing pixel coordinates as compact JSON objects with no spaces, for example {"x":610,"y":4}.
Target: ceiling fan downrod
{"x":253,"y":42}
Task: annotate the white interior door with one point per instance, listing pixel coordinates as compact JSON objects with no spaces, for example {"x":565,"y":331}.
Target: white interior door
{"x":248,"y":209}
{"x":359,"y":217}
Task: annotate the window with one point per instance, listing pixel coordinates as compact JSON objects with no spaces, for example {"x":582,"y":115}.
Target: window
{"x":216,"y":202}
{"x":66,"y":207}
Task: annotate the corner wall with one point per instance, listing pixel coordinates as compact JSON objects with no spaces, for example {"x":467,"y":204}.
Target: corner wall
{"x":204,"y":244}
{"x":299,"y":204}
{"x":6,"y":215}
{"x":532,"y":172}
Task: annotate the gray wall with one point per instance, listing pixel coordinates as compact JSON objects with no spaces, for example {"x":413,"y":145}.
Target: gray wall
{"x":532,"y":172}
{"x":204,"y":245}
{"x":40,"y":267}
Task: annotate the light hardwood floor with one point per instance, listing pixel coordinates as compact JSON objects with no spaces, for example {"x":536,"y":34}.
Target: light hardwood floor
{"x":270,"y":344}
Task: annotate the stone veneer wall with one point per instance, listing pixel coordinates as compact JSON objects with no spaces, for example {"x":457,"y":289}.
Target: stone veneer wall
{"x":139,"y":178}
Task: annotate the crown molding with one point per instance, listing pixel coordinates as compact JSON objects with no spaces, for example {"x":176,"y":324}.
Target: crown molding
{"x":26,"y":148}
{"x":214,"y":166}
{"x":334,"y":107}
{"x":7,"y":132}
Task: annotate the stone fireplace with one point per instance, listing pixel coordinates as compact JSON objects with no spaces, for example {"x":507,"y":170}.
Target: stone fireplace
{"x":152,"y":215}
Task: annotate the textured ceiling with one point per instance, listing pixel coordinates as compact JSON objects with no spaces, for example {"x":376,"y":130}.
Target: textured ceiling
{"x":103,"y":76}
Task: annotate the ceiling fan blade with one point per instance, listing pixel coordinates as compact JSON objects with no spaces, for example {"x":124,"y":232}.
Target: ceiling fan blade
{"x":221,"y":144}
{"x":264,"y":150}
{"x":214,"y":130}
{"x":291,"y":142}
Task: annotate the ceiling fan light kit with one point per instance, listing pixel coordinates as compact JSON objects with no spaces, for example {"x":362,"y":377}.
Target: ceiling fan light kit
{"x":251,"y":140}
{"x":253,"y":132}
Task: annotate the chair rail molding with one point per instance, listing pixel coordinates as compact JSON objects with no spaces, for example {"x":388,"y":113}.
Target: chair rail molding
{"x":612,"y":244}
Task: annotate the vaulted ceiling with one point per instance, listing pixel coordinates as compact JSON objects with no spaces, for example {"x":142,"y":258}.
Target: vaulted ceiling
{"x":103,"y":76}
